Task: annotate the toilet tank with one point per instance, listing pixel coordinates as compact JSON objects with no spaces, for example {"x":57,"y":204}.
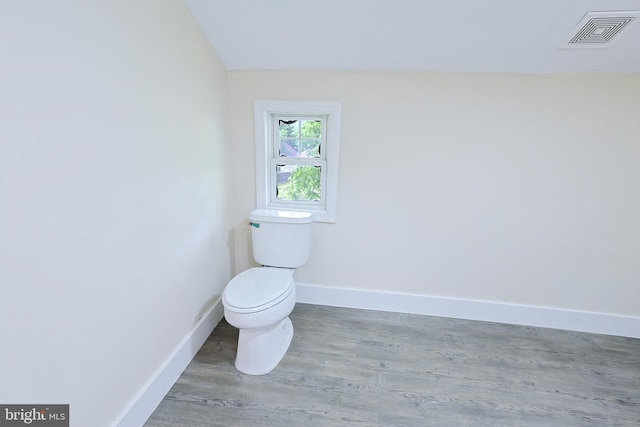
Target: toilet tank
{"x":281,"y":238}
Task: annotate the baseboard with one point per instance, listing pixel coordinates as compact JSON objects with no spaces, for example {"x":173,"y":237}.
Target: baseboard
{"x":490,"y":311}
{"x":150,"y":396}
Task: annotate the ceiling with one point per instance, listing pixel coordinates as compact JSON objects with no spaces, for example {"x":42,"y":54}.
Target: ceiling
{"x":513,"y":36}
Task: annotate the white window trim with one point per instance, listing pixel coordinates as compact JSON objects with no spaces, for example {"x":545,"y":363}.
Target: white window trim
{"x":263,"y":112}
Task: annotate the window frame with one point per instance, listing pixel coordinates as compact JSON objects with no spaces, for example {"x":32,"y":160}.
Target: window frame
{"x":265,"y":115}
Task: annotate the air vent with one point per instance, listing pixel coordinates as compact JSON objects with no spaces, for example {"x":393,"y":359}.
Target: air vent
{"x":601,"y":29}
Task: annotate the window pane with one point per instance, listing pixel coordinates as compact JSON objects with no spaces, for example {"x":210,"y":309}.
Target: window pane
{"x":299,"y":138}
{"x":296,"y":182}
{"x":289,"y":128}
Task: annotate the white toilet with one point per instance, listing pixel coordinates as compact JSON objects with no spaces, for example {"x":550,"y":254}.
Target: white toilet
{"x":258,"y":301}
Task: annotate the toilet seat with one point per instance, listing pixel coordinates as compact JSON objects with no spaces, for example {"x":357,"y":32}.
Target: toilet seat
{"x":258,"y":289}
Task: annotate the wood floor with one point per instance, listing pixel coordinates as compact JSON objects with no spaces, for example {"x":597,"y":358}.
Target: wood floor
{"x":349,"y":367}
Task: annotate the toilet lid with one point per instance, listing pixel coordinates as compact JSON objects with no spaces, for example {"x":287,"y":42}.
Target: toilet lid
{"x":257,"y":287}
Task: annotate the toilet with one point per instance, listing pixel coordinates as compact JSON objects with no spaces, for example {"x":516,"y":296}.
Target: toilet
{"x":258,"y":301}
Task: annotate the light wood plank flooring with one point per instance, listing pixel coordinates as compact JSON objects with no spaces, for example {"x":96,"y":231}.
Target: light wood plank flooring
{"x":349,"y":367}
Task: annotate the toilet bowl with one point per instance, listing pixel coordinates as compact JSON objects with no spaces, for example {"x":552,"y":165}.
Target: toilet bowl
{"x":258,"y":301}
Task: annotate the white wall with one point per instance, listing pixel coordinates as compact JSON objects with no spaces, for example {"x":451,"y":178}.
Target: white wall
{"x":509,"y":188}
{"x":113,"y":197}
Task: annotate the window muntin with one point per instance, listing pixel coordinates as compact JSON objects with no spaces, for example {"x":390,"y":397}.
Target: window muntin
{"x":299,"y":137}
{"x":297,"y":156}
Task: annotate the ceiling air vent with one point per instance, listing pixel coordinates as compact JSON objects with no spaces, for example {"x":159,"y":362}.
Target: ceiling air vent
{"x":601,"y":29}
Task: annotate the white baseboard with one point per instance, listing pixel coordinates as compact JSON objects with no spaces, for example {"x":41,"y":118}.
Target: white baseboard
{"x":490,"y":311}
{"x":150,"y":396}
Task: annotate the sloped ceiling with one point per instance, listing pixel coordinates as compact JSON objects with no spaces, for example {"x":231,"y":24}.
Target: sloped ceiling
{"x":519,"y":36}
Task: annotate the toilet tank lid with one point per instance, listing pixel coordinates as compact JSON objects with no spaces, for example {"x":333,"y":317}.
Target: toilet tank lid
{"x":274,"y":215}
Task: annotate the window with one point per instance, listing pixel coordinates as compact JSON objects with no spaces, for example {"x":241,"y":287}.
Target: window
{"x":297,"y":156}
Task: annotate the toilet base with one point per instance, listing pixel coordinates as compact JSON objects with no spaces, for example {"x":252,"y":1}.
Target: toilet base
{"x":260,"y":350}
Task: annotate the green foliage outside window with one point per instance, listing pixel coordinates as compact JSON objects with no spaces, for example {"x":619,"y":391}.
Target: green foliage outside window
{"x":303,"y":184}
